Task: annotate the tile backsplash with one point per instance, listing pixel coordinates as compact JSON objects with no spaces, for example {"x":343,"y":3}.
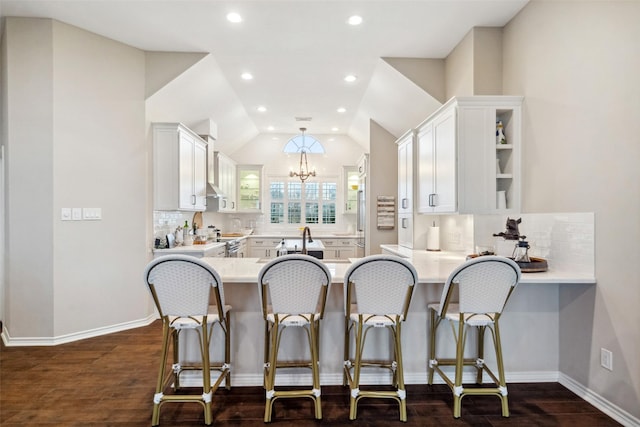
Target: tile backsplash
{"x":563,"y":239}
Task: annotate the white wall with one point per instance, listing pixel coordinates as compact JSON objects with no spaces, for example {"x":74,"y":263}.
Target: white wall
{"x":383,"y":164}
{"x":577,"y":65}
{"x":75,"y":138}
{"x":29,"y":194}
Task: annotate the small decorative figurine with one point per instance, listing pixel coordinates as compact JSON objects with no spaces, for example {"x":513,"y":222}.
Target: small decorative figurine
{"x":500,"y":138}
{"x":512,"y":232}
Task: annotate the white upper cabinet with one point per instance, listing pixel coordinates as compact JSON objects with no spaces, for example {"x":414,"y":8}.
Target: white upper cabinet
{"x":405,"y":172}
{"x":249,"y":188}
{"x":179,"y":168}
{"x":462,"y":165}
{"x":489,"y":167}
{"x":436,"y":178}
{"x":351,"y":180}
{"x":225,"y":173}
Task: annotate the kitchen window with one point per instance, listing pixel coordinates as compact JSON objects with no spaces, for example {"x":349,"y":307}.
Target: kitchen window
{"x":304,"y":203}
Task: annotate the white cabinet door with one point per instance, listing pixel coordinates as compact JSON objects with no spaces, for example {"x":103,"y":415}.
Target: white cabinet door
{"x":405,"y":173}
{"x":351,"y":181}
{"x":437,"y":164}
{"x":249,"y":188}
{"x":263,"y":247}
{"x":405,"y":230}
{"x":179,"y":168}
{"x":185,"y":177}
{"x":444,"y":140}
{"x":200,"y":174}
{"x":339,"y":248}
{"x":226,"y":181}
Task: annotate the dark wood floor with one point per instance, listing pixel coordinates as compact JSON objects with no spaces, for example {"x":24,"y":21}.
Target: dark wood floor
{"x":109,"y":381}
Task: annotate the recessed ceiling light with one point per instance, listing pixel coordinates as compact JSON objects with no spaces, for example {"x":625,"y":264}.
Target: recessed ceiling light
{"x":261,"y":108}
{"x":335,"y":129}
{"x":246,"y":76}
{"x":341,"y":110}
{"x":354,"y":20}
{"x":270,"y":128}
{"x":350,"y":78}
{"x":234,"y":17}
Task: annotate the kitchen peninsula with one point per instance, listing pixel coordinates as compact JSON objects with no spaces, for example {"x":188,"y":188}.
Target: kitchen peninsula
{"x":530,"y":327}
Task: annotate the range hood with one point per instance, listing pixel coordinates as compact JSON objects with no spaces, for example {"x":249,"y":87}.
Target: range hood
{"x":214,"y":191}
{"x":208,"y":131}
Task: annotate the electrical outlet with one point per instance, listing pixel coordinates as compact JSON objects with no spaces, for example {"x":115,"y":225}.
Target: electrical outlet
{"x":606,"y":359}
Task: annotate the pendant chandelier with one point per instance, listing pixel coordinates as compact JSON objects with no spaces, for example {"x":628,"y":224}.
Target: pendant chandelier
{"x":303,"y":170}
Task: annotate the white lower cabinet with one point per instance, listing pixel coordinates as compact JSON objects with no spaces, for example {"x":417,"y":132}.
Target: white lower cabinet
{"x":220,"y":252}
{"x":339,"y":248}
{"x":263,"y":247}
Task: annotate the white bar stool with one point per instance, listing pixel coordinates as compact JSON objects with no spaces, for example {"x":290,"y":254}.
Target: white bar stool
{"x":182,"y":287}
{"x":293,"y":290}
{"x":378,"y":291}
{"x":484,"y":284}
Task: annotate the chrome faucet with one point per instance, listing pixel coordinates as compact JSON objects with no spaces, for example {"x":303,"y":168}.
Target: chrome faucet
{"x":306,"y":231}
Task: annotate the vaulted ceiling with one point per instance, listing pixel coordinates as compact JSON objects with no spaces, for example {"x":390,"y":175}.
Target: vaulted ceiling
{"x":298,"y":51}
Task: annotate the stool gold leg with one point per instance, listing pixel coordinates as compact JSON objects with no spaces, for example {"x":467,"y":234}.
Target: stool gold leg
{"x":457,"y":396}
{"x":355,"y":384}
{"x":227,"y":349}
{"x":480,"y":353}
{"x":271,"y":371}
{"x":314,"y":328}
{"x":432,"y":345}
{"x":400,"y":370}
{"x":155,"y":417}
{"x":498,"y":345}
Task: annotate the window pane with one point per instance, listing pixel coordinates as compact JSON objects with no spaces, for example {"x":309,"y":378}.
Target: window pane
{"x":329,"y":190}
{"x":294,"y":213}
{"x":311,"y":190}
{"x":329,"y":213}
{"x":295,"y":190}
{"x":311,"y":213}
{"x":277,"y":190}
{"x":277,"y":213}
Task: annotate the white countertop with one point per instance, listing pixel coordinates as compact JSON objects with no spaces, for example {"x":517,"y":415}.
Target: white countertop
{"x":432,"y":268}
{"x":190,"y":248}
{"x":246,"y":270}
{"x":435,"y":267}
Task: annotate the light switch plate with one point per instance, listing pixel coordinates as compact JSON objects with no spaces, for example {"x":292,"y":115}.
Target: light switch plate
{"x":65,"y":214}
{"x":76,"y":214}
{"x":92,"y":214}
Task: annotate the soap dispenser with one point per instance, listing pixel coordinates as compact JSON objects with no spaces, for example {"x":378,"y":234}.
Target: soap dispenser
{"x":282,"y":249}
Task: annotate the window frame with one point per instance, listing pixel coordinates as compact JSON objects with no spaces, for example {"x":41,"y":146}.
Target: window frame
{"x":330,"y":179}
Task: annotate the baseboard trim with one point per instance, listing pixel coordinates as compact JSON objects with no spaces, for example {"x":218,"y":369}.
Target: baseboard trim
{"x":613,"y":411}
{"x":63,"y":339}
